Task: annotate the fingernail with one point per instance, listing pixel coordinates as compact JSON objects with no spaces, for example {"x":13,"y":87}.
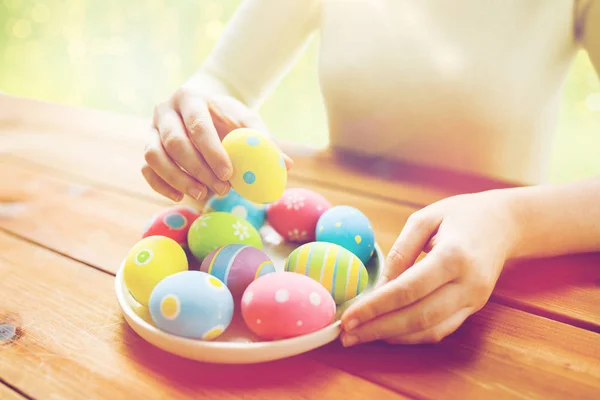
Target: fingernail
{"x":349,"y":340}
{"x":353,"y":323}
{"x":221,"y":188}
{"x":176,"y":197}
{"x":224,"y":173}
{"x":195,"y":193}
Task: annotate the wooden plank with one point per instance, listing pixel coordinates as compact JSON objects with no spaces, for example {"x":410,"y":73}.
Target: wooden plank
{"x":531,"y":355}
{"x":39,"y":125}
{"x":73,"y":343}
{"x":83,"y":221}
{"x":7,"y":393}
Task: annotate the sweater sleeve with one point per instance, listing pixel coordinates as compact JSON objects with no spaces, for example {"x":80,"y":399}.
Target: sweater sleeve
{"x":588,"y":25}
{"x":260,"y":44}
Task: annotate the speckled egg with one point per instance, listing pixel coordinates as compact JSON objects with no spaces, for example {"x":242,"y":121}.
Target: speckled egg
{"x":150,"y":261}
{"x":284,"y":305}
{"x":349,"y":228}
{"x":259,"y":172}
{"x":217,"y":229}
{"x":295,"y":215}
{"x":235,"y":204}
{"x":192,"y":304}
{"x":237,"y":265}
{"x":337,"y":269}
{"x":173,"y":222}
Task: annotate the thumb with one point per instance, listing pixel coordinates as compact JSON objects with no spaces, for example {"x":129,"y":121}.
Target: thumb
{"x":229,"y":114}
{"x":413,"y":238}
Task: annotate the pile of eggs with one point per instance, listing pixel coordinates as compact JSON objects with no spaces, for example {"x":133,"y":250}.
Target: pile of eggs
{"x":193,"y":269}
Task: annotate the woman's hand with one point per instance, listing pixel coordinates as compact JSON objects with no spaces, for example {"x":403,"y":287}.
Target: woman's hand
{"x":468,"y":238}
{"x":184,"y":154}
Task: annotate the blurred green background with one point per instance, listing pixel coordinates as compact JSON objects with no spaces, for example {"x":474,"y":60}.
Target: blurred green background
{"x":126,"y":56}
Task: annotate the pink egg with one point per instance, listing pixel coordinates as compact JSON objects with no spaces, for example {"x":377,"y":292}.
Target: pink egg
{"x":295,"y":215}
{"x":285,"y":304}
{"x":173,"y":222}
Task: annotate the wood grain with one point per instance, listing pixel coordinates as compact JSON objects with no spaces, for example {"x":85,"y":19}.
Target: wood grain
{"x":530,"y":356}
{"x":38,"y":124}
{"x":82,"y":222}
{"x":500,"y":352}
{"x":74,"y":344}
{"x":7,"y":393}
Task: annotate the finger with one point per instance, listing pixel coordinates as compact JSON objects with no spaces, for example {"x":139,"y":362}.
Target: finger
{"x":223,"y":123}
{"x":436,"y":333}
{"x":181,"y":150}
{"x":410,"y":243}
{"x":203,"y":134}
{"x":158,"y":159}
{"x":414,"y":284}
{"x":244,"y":118}
{"x":417,"y":317}
{"x":159,"y":185}
{"x":289,"y":163}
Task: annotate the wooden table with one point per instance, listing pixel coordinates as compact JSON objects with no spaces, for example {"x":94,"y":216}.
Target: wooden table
{"x":72,"y":202}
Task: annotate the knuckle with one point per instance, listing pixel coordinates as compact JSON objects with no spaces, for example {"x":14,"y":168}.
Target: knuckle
{"x":198,"y":126}
{"x":146,"y":172}
{"x":181,"y":94}
{"x":435,"y":336}
{"x":172,"y":143}
{"x":370,"y":335}
{"x":459,"y":257}
{"x":367,"y":312}
{"x":151,"y":156}
{"x":404,"y":295}
{"x":417,"y":220}
{"x":395,"y":257}
{"x":423,"y":321}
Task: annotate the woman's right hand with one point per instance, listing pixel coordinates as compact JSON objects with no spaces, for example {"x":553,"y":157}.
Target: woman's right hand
{"x":184,"y":154}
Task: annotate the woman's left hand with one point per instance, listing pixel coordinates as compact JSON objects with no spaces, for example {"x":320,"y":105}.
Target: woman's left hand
{"x":468,"y":238}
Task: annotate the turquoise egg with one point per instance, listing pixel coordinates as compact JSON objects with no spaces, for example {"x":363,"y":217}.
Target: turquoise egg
{"x":235,"y":204}
{"x":347,"y":227}
{"x":192,"y":304}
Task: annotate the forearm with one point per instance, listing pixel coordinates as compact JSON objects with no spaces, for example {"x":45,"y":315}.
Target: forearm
{"x":259,"y":45}
{"x":554,"y":220}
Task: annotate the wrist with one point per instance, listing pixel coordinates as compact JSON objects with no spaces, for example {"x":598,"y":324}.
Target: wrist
{"x":515,"y":220}
{"x":208,"y":83}
{"x":519,"y":219}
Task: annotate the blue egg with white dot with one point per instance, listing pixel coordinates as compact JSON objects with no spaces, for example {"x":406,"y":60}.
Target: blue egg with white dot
{"x":235,"y":204}
{"x":347,"y":227}
{"x":192,"y":304}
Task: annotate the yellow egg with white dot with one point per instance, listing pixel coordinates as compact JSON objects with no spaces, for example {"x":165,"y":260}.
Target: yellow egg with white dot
{"x":148,"y":262}
{"x":259,"y":172}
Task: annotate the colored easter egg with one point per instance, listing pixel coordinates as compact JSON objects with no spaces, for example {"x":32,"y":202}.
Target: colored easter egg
{"x":295,"y":215}
{"x":259,"y":172}
{"x":285,"y":304}
{"x":217,"y":229}
{"x":349,"y":228}
{"x":148,"y":262}
{"x":173,"y":222}
{"x":337,"y":269}
{"x":235,"y":204}
{"x":192,"y":304}
{"x":237,"y":265}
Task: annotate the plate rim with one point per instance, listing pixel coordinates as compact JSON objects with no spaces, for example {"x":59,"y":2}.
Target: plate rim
{"x":131,"y":315}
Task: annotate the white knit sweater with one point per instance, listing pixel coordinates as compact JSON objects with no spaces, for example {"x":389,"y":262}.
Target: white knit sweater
{"x":471,"y":85}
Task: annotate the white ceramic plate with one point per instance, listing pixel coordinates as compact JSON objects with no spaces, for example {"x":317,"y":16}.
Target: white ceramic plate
{"x":237,"y":345}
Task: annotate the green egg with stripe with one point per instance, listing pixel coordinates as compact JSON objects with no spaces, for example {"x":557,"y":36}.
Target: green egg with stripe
{"x":334,"y":267}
